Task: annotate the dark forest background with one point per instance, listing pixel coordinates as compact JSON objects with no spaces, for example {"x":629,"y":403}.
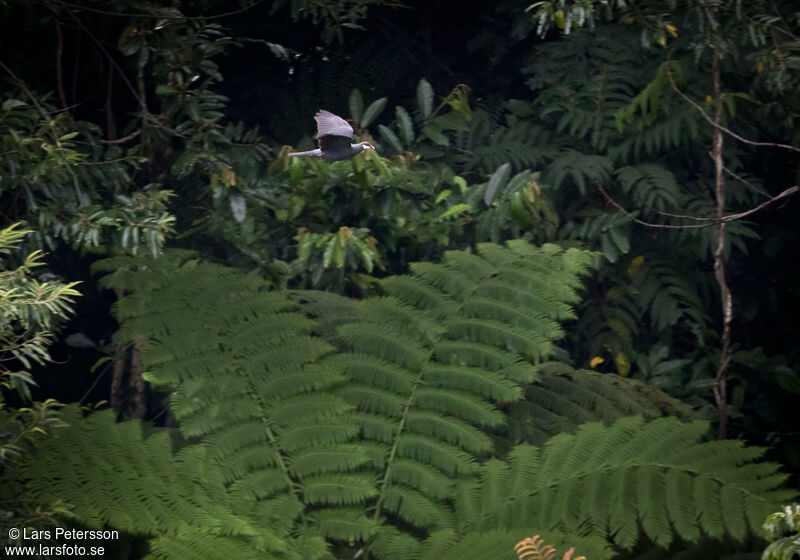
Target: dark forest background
{"x":143,"y":152}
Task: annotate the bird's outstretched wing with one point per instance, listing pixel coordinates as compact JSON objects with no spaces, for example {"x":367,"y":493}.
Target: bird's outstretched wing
{"x":332,"y":131}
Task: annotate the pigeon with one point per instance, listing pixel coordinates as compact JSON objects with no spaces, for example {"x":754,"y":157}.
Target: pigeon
{"x":335,"y":139}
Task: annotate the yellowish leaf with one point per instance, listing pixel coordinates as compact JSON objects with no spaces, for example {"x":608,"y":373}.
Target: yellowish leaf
{"x":672,"y":30}
{"x":532,"y":191}
{"x":596,"y":361}
{"x":559,"y":15}
{"x":623,"y":364}
{"x":636,"y":263}
{"x":228,"y":176}
{"x":345,"y":233}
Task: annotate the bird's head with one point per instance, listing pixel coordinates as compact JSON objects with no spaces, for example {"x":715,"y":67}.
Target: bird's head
{"x":367,"y":146}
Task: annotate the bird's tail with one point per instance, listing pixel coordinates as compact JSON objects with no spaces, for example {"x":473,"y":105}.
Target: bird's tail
{"x":308,"y":153}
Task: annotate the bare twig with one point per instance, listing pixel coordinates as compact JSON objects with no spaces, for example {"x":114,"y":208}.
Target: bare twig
{"x":111,"y":128}
{"x":160,"y":16}
{"x":107,"y":54}
{"x":59,"y":68}
{"x":718,"y":126}
{"x":782,"y":194}
{"x":746,"y":183}
{"x":124,"y":139}
{"x":707,"y":222}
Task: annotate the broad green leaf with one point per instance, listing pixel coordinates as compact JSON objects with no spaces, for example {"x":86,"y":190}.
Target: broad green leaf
{"x":373,"y":111}
{"x":406,"y":125}
{"x":456,"y":210}
{"x":425,"y":98}
{"x":9,"y":104}
{"x":620,"y":239}
{"x":498,"y":178}
{"x":436,"y":135}
{"x":356,"y":105}
{"x":339,"y":254}
{"x":389,"y":135}
{"x":304,"y":249}
{"x":238,"y":207}
{"x":327,"y":256}
{"x":296,"y":171}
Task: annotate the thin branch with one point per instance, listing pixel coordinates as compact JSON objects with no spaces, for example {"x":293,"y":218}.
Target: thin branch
{"x":59,"y":68}
{"x":684,"y":216}
{"x":719,"y":126}
{"x":111,"y":128}
{"x":124,"y":139}
{"x":160,"y":16}
{"x":783,"y":194}
{"x":746,"y":183}
{"x":707,"y":221}
{"x":105,"y":52}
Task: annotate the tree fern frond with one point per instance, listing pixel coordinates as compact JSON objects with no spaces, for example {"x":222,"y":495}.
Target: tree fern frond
{"x":476,"y":380}
{"x":111,"y":475}
{"x":652,"y":186}
{"x":373,"y":428}
{"x":564,"y":398}
{"x":417,"y":508}
{"x":374,"y":400}
{"x":449,"y":430}
{"x":634,"y":458}
{"x":422,"y":477}
{"x":338,"y":489}
{"x":581,"y":168}
{"x":444,"y":456}
{"x":344,"y":525}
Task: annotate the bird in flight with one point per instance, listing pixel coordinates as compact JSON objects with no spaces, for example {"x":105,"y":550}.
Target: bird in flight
{"x":335,"y":139}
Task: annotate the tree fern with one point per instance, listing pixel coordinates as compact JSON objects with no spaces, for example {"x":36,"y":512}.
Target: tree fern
{"x":564,"y":398}
{"x":423,"y":389}
{"x":270,"y":423}
{"x":368,"y":423}
{"x":608,"y":480}
{"x":414,"y":375}
{"x":110,"y":474}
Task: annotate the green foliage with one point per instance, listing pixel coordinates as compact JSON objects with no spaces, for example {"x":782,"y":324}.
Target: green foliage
{"x":607,"y":480}
{"x":378,"y":425}
{"x":31,"y":309}
{"x":783,"y":529}
{"x":138,"y":486}
{"x":332,"y":14}
{"x":423,"y":367}
{"x":368,"y":423}
{"x":648,"y":101}
{"x":66,"y":192}
{"x":564,"y":398}
{"x":347,"y":248}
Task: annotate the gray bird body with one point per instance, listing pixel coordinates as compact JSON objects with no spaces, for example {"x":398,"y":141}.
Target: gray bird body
{"x":335,"y":139}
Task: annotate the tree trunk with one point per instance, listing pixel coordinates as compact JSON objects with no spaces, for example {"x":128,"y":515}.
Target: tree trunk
{"x":721,"y":379}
